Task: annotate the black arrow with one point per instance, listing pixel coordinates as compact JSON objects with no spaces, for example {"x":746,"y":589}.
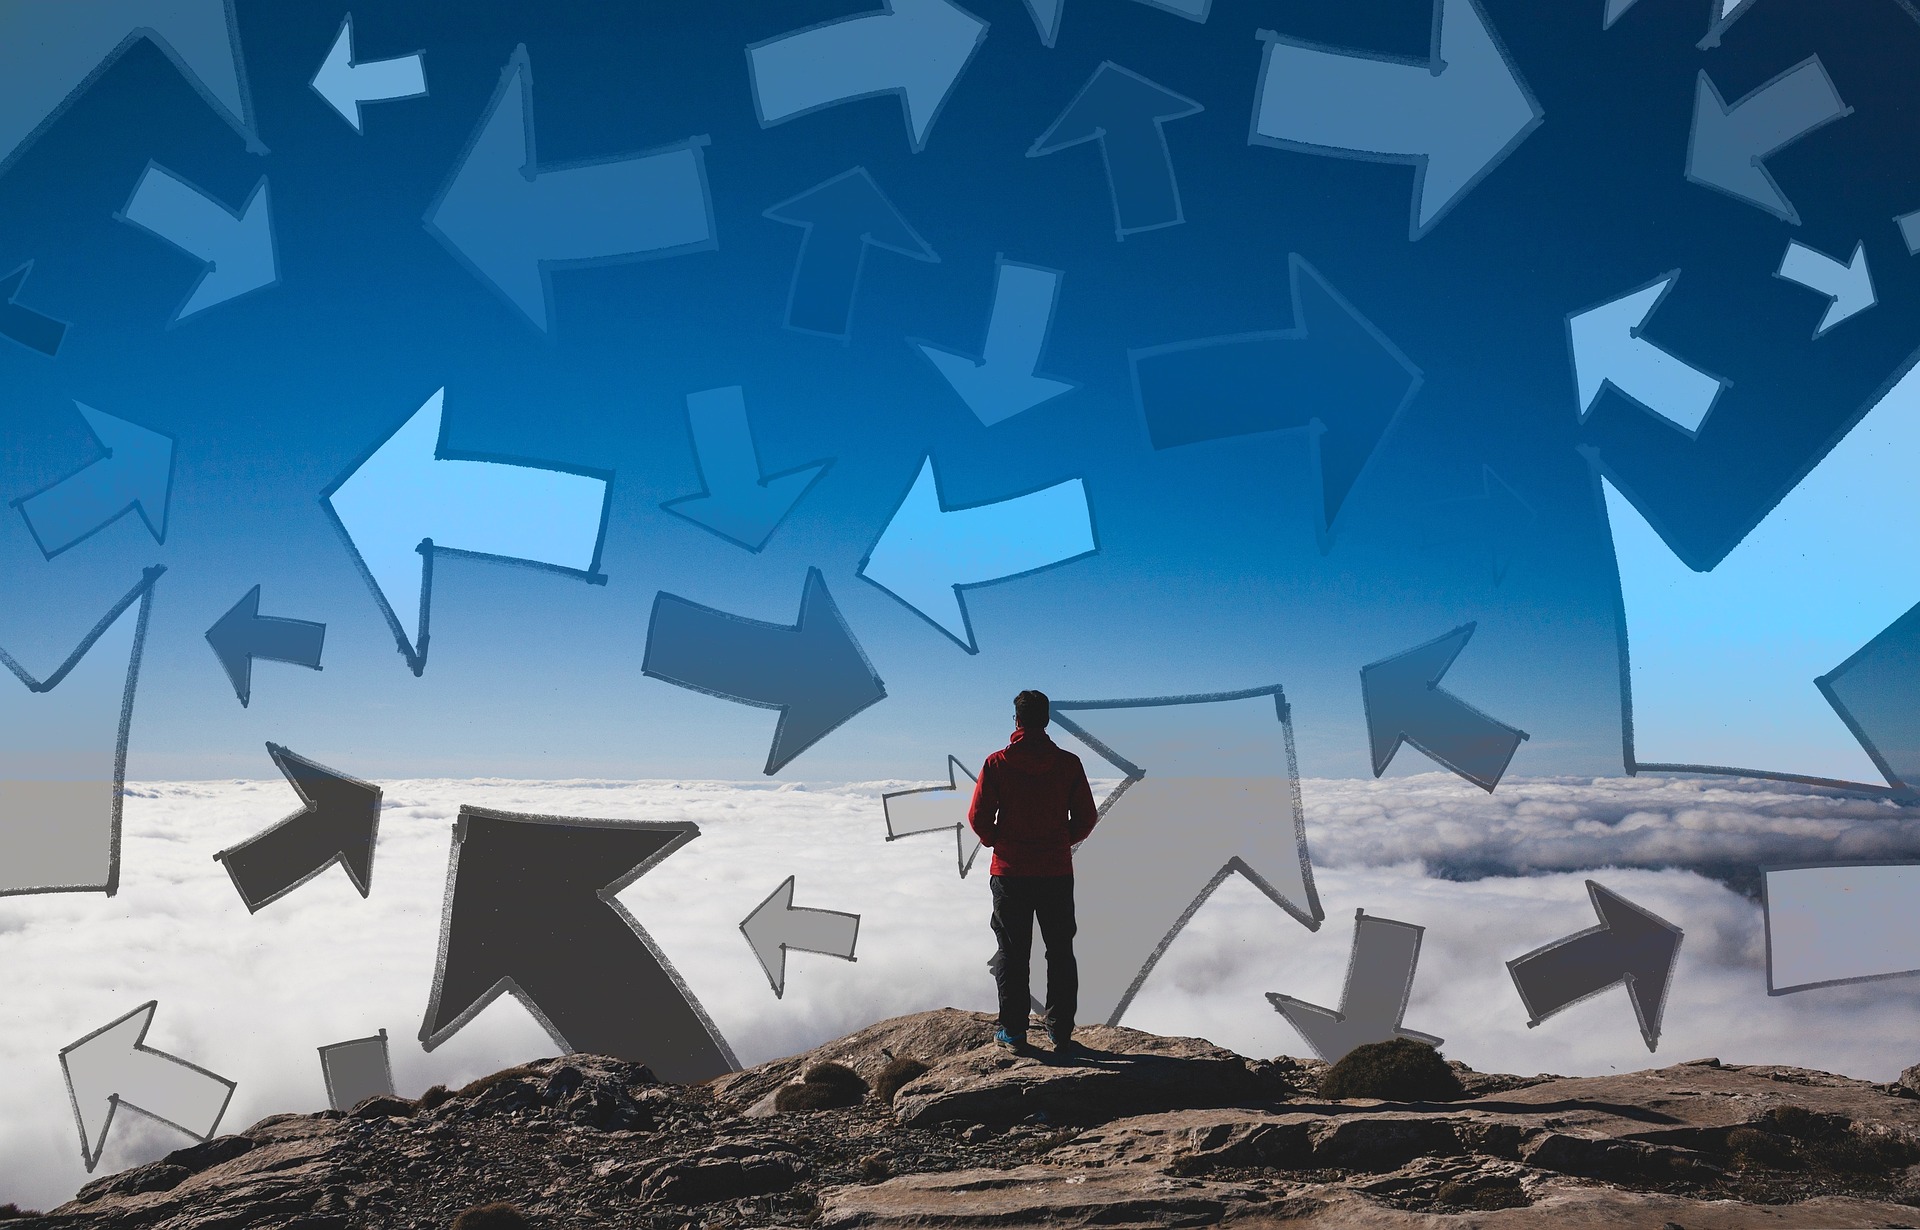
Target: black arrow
{"x":338,"y":825}
{"x":1126,"y":114}
{"x":1630,"y":946}
{"x":23,"y":324}
{"x":1333,"y":372}
{"x":842,"y":217}
{"x":812,"y":671}
{"x":241,"y":635}
{"x":1405,"y":703}
{"x":531,"y":910}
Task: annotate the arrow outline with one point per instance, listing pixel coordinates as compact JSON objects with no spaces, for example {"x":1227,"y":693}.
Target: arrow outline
{"x":1706,"y":91}
{"x":1477,"y":510}
{"x":1650,"y":1036}
{"x":706,"y":491}
{"x":326,"y":1070}
{"x":979,"y":358}
{"x":18,"y":277}
{"x":1353,"y":960}
{"x":93,"y":1150}
{"x":1846,"y":269}
{"x":1766,"y":922}
{"x":358,"y":118}
{"x":960,"y":831}
{"x":807,"y":229}
{"x":208,"y":267}
{"x":779,"y":987}
{"x":1433,"y":685}
{"x":308,"y":810}
{"x":1638,"y":333}
{"x":134,"y":505}
{"x":1099,"y":135}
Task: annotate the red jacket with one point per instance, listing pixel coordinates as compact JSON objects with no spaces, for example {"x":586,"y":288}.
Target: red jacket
{"x":1031,"y":805}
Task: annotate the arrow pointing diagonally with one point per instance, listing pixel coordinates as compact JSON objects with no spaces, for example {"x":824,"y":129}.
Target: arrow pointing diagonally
{"x":1379,"y":983}
{"x":1001,"y":382}
{"x":1127,"y":114}
{"x":532,"y":910}
{"x":1332,"y":372}
{"x":22,"y":323}
{"x":927,"y":553}
{"x":111,"y":1067}
{"x":1405,"y":703}
{"x":1729,"y":144}
{"x":776,"y":926}
{"x":510,"y":222}
{"x":1455,"y":116}
{"x":936,"y":809}
{"x":338,"y":825}
{"x":735,"y":502}
{"x":812,"y":671}
{"x":236,"y":248}
{"x":349,"y":85}
{"x":135,"y":475}
{"x":242,"y":634}
{"x":409,"y":500}
{"x":1046,"y":14}
{"x":841,"y":217}
{"x":1609,"y":348}
{"x":1833,"y":923}
{"x":1848,"y":287}
{"x":914,"y":48}
{"x":1630,"y":946}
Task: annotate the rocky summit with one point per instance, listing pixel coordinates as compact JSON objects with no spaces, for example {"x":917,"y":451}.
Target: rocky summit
{"x":923,"y":1121}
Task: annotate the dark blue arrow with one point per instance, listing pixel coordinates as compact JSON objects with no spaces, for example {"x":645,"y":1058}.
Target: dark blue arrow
{"x":337,"y":825}
{"x":23,"y":324}
{"x":813,"y":671}
{"x":1126,"y":114}
{"x":136,"y":472}
{"x":842,"y":218}
{"x":1405,"y":704}
{"x":738,"y":504}
{"x":241,"y":635}
{"x":1630,"y":946}
{"x":1333,"y":373}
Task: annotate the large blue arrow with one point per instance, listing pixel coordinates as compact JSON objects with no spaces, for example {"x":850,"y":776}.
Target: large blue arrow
{"x":737,"y":503}
{"x":1127,"y":115}
{"x":842,"y":217}
{"x":237,"y":248}
{"x":511,"y":222}
{"x":135,"y":474}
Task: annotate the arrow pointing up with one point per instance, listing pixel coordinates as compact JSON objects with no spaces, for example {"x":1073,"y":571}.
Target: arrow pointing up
{"x":532,"y":911}
{"x":1609,"y":348}
{"x":1405,"y":704}
{"x":111,"y":1067}
{"x":241,"y":635}
{"x":842,"y":218}
{"x":337,"y":825}
{"x":348,"y":86}
{"x":736,"y":503}
{"x":934,"y":809}
{"x":237,"y":248}
{"x":776,"y":926}
{"x":1454,"y":116}
{"x":409,"y":500}
{"x":1379,"y":983}
{"x":134,"y":475}
{"x":914,"y":48}
{"x":510,"y":222}
{"x":1630,"y":946}
{"x":1001,"y":382}
{"x":1730,"y":144}
{"x":1127,"y":114}
{"x":1848,"y":287}
{"x":23,"y":324}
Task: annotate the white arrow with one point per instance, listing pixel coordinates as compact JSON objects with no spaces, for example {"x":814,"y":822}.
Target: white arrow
{"x":109,"y":1068}
{"x":934,"y":809}
{"x":928,"y":553}
{"x":1379,"y":983}
{"x":406,"y":499}
{"x":348,"y":85}
{"x":1848,"y":287}
{"x":1608,"y":349}
{"x":776,"y":926}
{"x":1001,"y":383}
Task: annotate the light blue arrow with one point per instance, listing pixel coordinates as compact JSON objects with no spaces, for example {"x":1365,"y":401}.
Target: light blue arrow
{"x":406,"y":501}
{"x":1001,"y":382}
{"x":914,"y":48}
{"x":1455,"y":115}
{"x":738,"y":504}
{"x":1848,"y":287}
{"x":236,"y":248}
{"x":928,"y":553}
{"x":1610,"y":348}
{"x":348,"y":86}
{"x":1046,"y":13}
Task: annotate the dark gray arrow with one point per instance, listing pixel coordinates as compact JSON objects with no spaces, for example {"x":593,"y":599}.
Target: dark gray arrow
{"x":1405,"y":704}
{"x":775,"y":926}
{"x":337,"y":825}
{"x":842,"y":218}
{"x":1379,"y":983}
{"x":23,"y":324}
{"x":1127,"y":115}
{"x":1730,"y":144}
{"x":1630,"y":946}
{"x":241,"y":635}
{"x":812,"y":671}
{"x":532,"y":911}
{"x":134,"y":474}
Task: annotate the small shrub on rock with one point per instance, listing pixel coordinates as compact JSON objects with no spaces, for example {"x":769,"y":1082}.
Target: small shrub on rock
{"x":496,"y":1216}
{"x":434,"y":1097}
{"x":1397,"y":1070}
{"x":475,"y":1088}
{"x":895,"y":1076}
{"x":9,"y":1212}
{"x":826,"y":1086}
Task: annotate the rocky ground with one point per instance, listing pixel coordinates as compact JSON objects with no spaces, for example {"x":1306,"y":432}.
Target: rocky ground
{"x":1144,"y":1131}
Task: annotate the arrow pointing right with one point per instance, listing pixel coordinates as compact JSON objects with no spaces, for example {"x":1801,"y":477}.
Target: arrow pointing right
{"x":1379,"y":982}
{"x":737,"y":504}
{"x":237,"y":248}
{"x":1405,"y":703}
{"x":134,"y":475}
{"x":841,"y":217}
{"x":111,"y":1067}
{"x":1630,"y":946}
{"x":242,"y":634}
{"x":934,"y":809}
{"x":337,"y":825}
{"x":1729,"y":144}
{"x":23,"y":324}
{"x":1127,"y":114}
{"x":1848,"y":287}
{"x":776,"y":926}
{"x":1609,"y":349}
{"x":348,"y":86}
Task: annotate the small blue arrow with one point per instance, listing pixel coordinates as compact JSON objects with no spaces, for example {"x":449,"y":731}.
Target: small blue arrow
{"x":1127,"y":115}
{"x":1406,"y":704}
{"x":1001,"y":382}
{"x":23,"y":324}
{"x":736,"y":502}
{"x":243,"y":634}
{"x":842,"y":217}
{"x":237,"y":248}
{"x":349,"y":85}
{"x":136,"y":474}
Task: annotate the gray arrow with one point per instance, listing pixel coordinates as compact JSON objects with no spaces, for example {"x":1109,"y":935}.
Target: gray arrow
{"x":338,"y":824}
{"x":110,"y":1068}
{"x":355,"y":1071}
{"x":936,"y":809}
{"x":1379,"y":982}
{"x":1405,"y":703}
{"x":1730,"y":144}
{"x":1630,"y":946}
{"x":776,"y":926}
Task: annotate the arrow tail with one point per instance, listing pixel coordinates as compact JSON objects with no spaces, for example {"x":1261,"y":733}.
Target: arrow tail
{"x":1017,"y":536}
{"x":388,"y":80}
{"x":1566,"y":972}
{"x":809,"y":69}
{"x":1022,"y":314}
{"x":825,"y":280}
{"x":76,"y":507}
{"x":1787,"y":108}
{"x":180,"y":213}
{"x":653,"y":204}
{"x":828,"y":932}
{"x":1340,"y":102}
{"x":719,"y":653}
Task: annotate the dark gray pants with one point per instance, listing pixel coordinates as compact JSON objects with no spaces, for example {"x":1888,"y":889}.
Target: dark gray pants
{"x":1017,"y":902}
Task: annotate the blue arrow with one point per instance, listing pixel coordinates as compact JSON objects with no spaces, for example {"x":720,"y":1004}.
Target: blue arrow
{"x":1046,"y":13}
{"x":1001,"y":382}
{"x":1730,"y":143}
{"x":1406,"y":704}
{"x":1127,"y":115}
{"x":842,"y":217}
{"x":23,"y":324}
{"x":243,"y":634}
{"x":510,"y":222}
{"x":914,"y":48}
{"x":136,"y":474}
{"x":736,"y":502}
{"x":349,"y":85}
{"x":927,"y":553}
{"x":237,"y":248}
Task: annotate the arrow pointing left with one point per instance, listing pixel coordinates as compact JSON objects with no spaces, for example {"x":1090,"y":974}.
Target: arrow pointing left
{"x":1127,"y":114}
{"x":1379,"y":983}
{"x":337,"y":825}
{"x":776,"y":926}
{"x":1405,"y":703}
{"x":349,"y":85}
{"x":237,"y":248}
{"x":112,"y":1067}
{"x":1630,"y":946}
{"x":134,"y":475}
{"x":410,"y":501}
{"x":1848,"y":287}
{"x":242,"y":634}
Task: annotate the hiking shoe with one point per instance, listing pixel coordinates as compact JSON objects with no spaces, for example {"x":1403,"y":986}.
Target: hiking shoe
{"x":1067,"y":1048}
{"x":1010,"y":1042}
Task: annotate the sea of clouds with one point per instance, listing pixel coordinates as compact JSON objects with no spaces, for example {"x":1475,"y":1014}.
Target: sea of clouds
{"x":253,"y":996}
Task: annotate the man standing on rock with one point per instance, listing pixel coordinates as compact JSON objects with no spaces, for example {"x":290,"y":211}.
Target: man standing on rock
{"x":1031,"y":806}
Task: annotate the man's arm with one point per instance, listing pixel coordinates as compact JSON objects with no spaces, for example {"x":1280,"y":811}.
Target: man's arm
{"x":1082,"y":815}
{"x":983,"y":815}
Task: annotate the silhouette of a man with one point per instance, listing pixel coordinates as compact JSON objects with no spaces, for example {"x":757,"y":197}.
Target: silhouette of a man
{"x":1031,"y":806}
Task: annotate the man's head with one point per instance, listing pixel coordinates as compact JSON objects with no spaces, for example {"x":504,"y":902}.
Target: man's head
{"x":1030,"y":710}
